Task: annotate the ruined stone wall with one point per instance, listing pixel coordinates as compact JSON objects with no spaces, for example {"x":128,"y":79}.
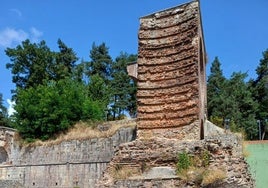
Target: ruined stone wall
{"x":77,"y":163}
{"x":224,"y":151}
{"x":169,"y":71}
{"x":6,"y":142}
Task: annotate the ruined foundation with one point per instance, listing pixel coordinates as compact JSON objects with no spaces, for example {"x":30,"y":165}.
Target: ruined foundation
{"x":171,"y":98}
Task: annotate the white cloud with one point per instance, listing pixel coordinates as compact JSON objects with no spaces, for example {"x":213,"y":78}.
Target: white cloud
{"x":16,"y":11}
{"x":35,"y":34}
{"x":10,"y":109}
{"x":10,"y":37}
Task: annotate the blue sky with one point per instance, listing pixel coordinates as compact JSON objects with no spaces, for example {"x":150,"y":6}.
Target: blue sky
{"x":236,"y":30}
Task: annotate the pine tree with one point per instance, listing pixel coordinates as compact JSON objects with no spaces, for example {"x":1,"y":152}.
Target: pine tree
{"x":231,"y":99}
{"x":261,"y":87}
{"x":31,"y":64}
{"x":65,"y":61}
{"x":122,"y":86}
{"x":216,"y":95}
{"x":3,"y":113}
{"x":243,"y":111}
{"x":100,"y":63}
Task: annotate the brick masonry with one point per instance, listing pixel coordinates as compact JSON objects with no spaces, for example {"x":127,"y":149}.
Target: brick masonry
{"x":171,"y":72}
{"x":141,"y":155}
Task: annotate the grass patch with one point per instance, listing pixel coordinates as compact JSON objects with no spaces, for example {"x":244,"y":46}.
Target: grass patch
{"x":213,"y":177}
{"x":184,"y":162}
{"x":121,"y":172}
{"x":195,"y":169}
{"x":245,"y":152}
{"x":192,"y":174}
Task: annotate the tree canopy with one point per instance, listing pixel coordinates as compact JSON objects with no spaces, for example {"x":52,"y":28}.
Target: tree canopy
{"x":3,"y":113}
{"x":53,"y":90}
{"x":240,"y":101}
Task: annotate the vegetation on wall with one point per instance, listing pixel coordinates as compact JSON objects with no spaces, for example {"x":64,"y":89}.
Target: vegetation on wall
{"x":195,"y":168}
{"x":53,"y":90}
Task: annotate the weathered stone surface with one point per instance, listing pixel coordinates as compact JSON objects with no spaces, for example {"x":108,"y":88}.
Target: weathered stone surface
{"x":75,"y":163}
{"x":189,"y":132}
{"x":160,"y":173}
{"x":132,"y":70}
{"x":171,"y":113}
{"x":6,"y":143}
{"x":10,"y":184}
{"x":225,"y":153}
{"x":171,"y":73}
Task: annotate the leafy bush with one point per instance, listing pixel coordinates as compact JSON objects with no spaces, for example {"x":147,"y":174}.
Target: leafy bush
{"x":48,"y":109}
{"x":195,"y":169}
{"x":184,"y":161}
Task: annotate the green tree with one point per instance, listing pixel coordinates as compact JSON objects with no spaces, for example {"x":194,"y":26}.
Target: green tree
{"x":98,"y":74}
{"x":217,"y":97}
{"x":30,"y":64}
{"x":243,"y":110}
{"x":35,"y":64}
{"x":50,"y":92}
{"x":100,"y":63}
{"x":98,"y":90}
{"x":231,"y":99}
{"x":122,"y":86}
{"x":261,"y":87}
{"x":79,"y":72}
{"x":65,"y":61}
{"x":48,"y":109}
{"x":132,"y":107}
{"x":3,"y":113}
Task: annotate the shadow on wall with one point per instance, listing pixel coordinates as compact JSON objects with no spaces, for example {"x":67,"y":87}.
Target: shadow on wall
{"x":3,"y":155}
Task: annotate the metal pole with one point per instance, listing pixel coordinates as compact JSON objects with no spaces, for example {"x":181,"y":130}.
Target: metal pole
{"x":259,"y":124}
{"x":226,"y":124}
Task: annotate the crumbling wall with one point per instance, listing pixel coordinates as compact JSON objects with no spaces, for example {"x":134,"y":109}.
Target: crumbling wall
{"x":169,"y":70}
{"x":224,"y":151}
{"x":75,"y":163}
{"x":6,"y":143}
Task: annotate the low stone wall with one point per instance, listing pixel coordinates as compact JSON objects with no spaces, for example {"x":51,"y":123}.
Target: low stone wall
{"x":10,"y":184}
{"x":55,"y":175}
{"x":75,"y":163}
{"x":168,"y":183}
{"x":212,"y":130}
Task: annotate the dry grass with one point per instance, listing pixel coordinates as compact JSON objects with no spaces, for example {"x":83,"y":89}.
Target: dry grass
{"x":202,"y":176}
{"x":246,"y":153}
{"x":121,"y":172}
{"x":212,"y":177}
{"x":84,"y":131}
{"x":193,"y":174}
